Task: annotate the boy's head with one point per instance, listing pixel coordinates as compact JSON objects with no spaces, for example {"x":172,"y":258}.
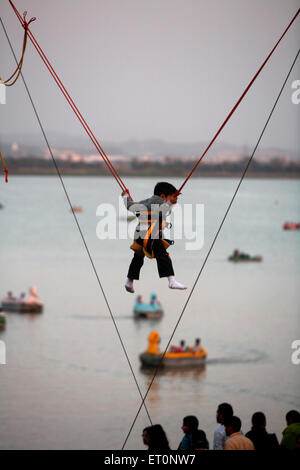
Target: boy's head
{"x":166,"y":191}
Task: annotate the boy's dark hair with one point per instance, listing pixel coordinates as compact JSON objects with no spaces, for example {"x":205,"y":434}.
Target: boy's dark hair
{"x":234,"y":422}
{"x":192,"y":422}
{"x":164,"y":188}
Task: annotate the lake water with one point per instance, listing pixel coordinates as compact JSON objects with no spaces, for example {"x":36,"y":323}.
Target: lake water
{"x":67,"y":383}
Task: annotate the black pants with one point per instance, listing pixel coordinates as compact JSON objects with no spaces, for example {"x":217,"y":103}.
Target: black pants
{"x":164,"y":263}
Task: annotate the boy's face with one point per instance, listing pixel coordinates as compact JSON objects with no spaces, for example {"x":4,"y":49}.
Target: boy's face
{"x":172,"y":198}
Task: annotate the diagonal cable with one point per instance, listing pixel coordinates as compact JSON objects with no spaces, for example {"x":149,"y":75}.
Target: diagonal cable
{"x":211,"y":247}
{"x":77,"y":224}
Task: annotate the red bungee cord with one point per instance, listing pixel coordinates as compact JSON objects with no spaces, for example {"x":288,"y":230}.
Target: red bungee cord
{"x":25,"y":24}
{"x":237,"y":103}
{"x":86,"y":127}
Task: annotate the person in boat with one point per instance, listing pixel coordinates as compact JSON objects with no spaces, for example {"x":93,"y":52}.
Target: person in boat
{"x":153,"y":299}
{"x":197,"y":347}
{"x":148,"y":237}
{"x":22,"y":297}
{"x":9,"y":297}
{"x":179,"y":349}
{"x":239,"y":255}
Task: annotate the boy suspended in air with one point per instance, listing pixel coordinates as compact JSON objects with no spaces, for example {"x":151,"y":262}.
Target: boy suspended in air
{"x":148,"y":236}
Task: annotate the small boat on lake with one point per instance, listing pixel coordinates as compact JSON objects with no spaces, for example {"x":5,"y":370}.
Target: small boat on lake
{"x":239,"y":256}
{"x":291,"y":226}
{"x":23,"y":304}
{"x":153,"y":309}
{"x":153,"y":357}
{"x":77,"y":209}
{"x":2,"y":320}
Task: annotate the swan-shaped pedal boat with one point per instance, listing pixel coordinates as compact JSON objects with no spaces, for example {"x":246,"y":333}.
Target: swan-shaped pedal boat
{"x":152,"y":357}
{"x":148,"y":310}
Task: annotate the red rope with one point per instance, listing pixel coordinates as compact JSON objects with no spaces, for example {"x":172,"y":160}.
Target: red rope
{"x":237,"y":103}
{"x":83,"y":122}
{"x":25,"y":24}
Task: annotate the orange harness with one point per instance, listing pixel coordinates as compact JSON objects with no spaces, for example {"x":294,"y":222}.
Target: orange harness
{"x":154,"y":232}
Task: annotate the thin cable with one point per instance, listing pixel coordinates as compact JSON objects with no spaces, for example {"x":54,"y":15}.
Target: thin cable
{"x":211,"y":247}
{"x":77,"y":223}
{"x":238,"y":102}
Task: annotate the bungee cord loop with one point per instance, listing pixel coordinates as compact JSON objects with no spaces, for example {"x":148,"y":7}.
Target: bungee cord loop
{"x":238,"y":102}
{"x":71,"y":102}
{"x":15,"y":75}
{"x":86,"y":127}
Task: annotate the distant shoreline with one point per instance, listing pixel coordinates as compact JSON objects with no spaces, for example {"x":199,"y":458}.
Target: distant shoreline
{"x":275,"y":169}
{"x":205,"y":176}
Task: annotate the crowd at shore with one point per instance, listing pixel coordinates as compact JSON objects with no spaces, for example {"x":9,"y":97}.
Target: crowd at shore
{"x":228,"y":435}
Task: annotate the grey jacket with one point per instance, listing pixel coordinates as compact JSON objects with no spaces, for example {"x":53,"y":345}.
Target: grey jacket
{"x":154,"y":203}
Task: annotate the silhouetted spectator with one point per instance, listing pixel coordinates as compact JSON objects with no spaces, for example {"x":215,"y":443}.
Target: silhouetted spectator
{"x":224,"y":412}
{"x":298,"y":442}
{"x":200,"y":441}
{"x":261,"y":439}
{"x":292,"y":431}
{"x":189,"y":426}
{"x":236,"y":440}
{"x":155,"y":438}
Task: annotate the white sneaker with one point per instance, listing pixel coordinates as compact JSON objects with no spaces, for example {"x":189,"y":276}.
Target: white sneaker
{"x":173,"y":284}
{"x":129,"y":286}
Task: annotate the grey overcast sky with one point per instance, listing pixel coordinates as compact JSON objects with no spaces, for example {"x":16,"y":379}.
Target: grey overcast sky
{"x":159,"y":69}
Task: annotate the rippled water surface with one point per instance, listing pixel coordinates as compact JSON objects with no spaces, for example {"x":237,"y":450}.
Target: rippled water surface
{"x":67,"y":383}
